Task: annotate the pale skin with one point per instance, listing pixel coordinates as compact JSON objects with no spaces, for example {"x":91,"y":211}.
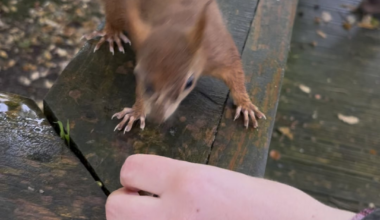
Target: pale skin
{"x":200,"y":192}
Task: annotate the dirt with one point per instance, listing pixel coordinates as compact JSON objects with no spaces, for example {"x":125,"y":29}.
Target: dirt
{"x":38,"y":39}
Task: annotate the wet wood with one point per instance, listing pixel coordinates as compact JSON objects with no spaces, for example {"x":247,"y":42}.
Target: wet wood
{"x":264,"y":59}
{"x":96,"y":85}
{"x":40,"y":178}
{"x":335,"y":162}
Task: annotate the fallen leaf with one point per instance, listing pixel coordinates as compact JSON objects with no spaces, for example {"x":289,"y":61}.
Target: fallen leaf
{"x":275,"y":155}
{"x":286,"y":131}
{"x":348,"y":119}
{"x":47,"y":55}
{"x":48,"y":84}
{"x":29,"y":67}
{"x":3,"y":54}
{"x":61,"y":52}
{"x":35,"y":76}
{"x":347,"y":26}
{"x":315,"y":115}
{"x":368,"y":22}
{"x":321,"y":34}
{"x":314,"y":43}
{"x":24,"y":80}
{"x":373,"y":152}
{"x":351,"y":19}
{"x":11,"y":63}
{"x":326,"y":16}
{"x":304,"y":89}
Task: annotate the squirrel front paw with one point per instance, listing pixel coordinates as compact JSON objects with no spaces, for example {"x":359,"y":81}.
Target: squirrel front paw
{"x":111,"y":36}
{"x":249,"y":110}
{"x":130,"y":115}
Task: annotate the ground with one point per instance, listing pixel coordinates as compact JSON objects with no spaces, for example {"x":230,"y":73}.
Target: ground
{"x":38,"y":39}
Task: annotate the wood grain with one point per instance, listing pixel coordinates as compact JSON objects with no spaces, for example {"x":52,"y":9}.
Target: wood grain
{"x":335,"y":162}
{"x":264,"y":58}
{"x":40,"y":179}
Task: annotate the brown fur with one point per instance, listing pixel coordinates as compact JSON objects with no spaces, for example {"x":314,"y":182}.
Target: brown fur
{"x":173,"y":38}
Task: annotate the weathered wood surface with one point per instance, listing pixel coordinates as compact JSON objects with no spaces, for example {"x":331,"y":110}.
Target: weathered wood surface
{"x":95,"y":86}
{"x":336,"y":162}
{"x":264,"y":59}
{"x":39,"y":177}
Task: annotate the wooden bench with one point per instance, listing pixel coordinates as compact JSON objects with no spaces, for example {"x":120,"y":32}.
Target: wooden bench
{"x":96,"y":85}
{"x":39,"y":177}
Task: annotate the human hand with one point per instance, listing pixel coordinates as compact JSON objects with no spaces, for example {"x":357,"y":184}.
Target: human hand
{"x":200,"y":192}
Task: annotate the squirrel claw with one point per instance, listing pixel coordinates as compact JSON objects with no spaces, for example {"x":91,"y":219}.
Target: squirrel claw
{"x":250,"y":111}
{"x":111,"y":38}
{"x":129,"y":115}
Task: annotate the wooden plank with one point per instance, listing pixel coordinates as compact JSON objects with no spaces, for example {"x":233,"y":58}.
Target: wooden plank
{"x":95,"y":86}
{"x":327,"y":157}
{"x":264,"y":59}
{"x":39,"y":177}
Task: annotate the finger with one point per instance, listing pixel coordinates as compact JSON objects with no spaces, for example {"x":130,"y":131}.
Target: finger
{"x":123,"y":204}
{"x":246,"y":118}
{"x":254,"y":121}
{"x":149,"y":173}
{"x":237,"y":114}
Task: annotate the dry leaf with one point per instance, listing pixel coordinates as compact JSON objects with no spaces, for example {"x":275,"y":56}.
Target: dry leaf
{"x":11,"y":63}
{"x":3,"y":54}
{"x":286,"y":131}
{"x":326,"y":16}
{"x":367,"y":23}
{"x":321,"y":34}
{"x":348,"y":119}
{"x":373,"y":152}
{"x":35,"y":76}
{"x":347,"y":26}
{"x":61,"y":52}
{"x":48,"y":84}
{"x":275,"y":155}
{"x":305,"y":89}
{"x":351,"y":19}
{"x":24,"y":81}
{"x":47,"y":55}
{"x":29,"y":67}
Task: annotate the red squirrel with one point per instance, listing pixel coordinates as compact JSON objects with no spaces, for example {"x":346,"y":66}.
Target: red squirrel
{"x":176,"y":41}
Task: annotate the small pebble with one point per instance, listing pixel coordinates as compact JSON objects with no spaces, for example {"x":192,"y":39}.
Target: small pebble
{"x":41,"y":191}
